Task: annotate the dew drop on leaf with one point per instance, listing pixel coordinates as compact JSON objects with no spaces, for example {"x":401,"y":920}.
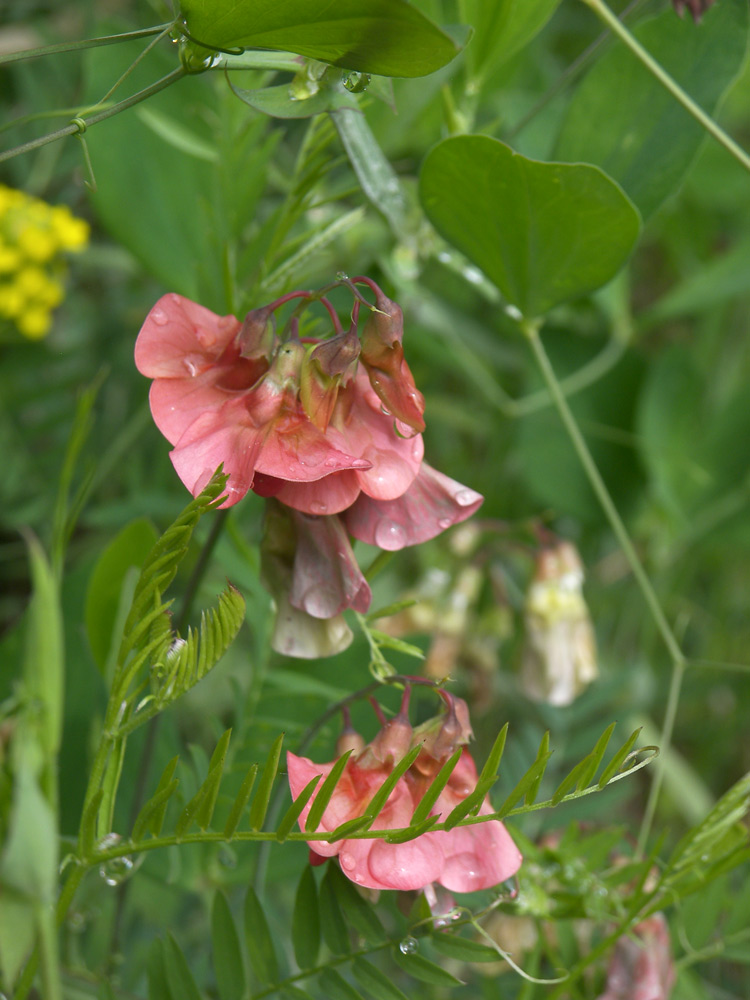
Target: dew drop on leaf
{"x":408,"y":946}
{"x":356,"y":82}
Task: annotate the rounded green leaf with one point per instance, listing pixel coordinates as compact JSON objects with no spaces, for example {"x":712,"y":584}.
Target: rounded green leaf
{"x":542,"y":232}
{"x":388,"y":37}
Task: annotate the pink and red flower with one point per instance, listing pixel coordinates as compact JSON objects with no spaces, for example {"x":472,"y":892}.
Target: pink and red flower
{"x":301,"y":421}
{"x":330,"y":428}
{"x":463,"y":859}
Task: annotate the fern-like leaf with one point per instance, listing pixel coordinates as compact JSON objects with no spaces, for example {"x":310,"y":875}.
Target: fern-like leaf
{"x":188,"y":661}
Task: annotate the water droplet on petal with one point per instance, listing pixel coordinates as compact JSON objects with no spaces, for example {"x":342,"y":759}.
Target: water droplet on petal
{"x":385,"y":410}
{"x":389,"y":535}
{"x":409,"y":946}
{"x":190,"y":366}
{"x":445,"y":522}
{"x":347,"y":861}
{"x":318,"y":507}
{"x":206,"y":338}
{"x":416,"y":449}
{"x":464,"y":498}
{"x":321,"y":601}
{"x":361,"y":463}
{"x":159,"y":317}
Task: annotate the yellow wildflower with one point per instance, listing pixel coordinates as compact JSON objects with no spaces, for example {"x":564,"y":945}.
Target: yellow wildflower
{"x":33,"y":238}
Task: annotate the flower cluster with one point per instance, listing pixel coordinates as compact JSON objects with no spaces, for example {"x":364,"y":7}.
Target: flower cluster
{"x":463,"y":859}
{"x":330,"y":427}
{"x":33,"y":236}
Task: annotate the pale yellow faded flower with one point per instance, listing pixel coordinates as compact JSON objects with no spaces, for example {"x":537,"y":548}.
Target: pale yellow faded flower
{"x":559,"y":653}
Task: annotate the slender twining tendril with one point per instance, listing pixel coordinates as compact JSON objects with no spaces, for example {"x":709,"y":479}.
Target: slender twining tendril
{"x":79,"y":124}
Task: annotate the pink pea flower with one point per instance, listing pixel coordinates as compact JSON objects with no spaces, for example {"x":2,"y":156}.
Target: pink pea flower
{"x":302,"y":421}
{"x":461,"y":860}
{"x":330,"y":428}
{"x":641,"y":967}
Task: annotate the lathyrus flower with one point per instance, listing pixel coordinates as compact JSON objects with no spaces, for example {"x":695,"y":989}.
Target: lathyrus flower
{"x":330,"y":427}
{"x":641,"y":967}
{"x":33,"y":238}
{"x":559,"y":655}
{"x":461,"y":860}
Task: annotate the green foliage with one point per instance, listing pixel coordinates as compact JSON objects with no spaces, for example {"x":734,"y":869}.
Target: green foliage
{"x":392,"y":38}
{"x":647,"y":143}
{"x":244,"y":200}
{"x":306,"y":921}
{"x":43,"y":677}
{"x":542,"y":232}
{"x":258,"y":940}
{"x":501,"y":29}
{"x":111,"y":587}
{"x":228,"y":963}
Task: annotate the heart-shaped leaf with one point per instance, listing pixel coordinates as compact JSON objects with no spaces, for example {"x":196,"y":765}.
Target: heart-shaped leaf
{"x":542,"y":232}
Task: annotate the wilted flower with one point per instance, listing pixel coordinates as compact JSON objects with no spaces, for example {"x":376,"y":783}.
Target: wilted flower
{"x":559,"y":656}
{"x":641,"y":967}
{"x":33,"y":237}
{"x":330,"y":427}
{"x":462,"y":859}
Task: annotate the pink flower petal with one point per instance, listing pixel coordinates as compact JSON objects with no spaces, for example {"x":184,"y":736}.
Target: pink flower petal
{"x":432,"y":503}
{"x":180,"y":338}
{"x":208,"y":443}
{"x":369,"y":433}
{"x":330,"y":495}
{"x":327,"y":578}
{"x":295,"y":450}
{"x":477,"y":857}
{"x":374,"y":864}
{"x":177,"y":403}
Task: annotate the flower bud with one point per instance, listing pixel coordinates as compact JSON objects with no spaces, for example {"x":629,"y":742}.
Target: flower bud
{"x":383,"y":357}
{"x":257,"y":337}
{"x":325,"y":368}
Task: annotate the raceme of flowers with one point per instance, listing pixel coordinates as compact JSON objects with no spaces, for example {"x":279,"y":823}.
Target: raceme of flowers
{"x":33,"y":237}
{"x":463,"y":859}
{"x":330,"y":427}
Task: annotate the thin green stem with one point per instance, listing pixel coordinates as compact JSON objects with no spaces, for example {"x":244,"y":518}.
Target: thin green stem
{"x":81,"y":124}
{"x":531,"y":330}
{"x":86,"y":43}
{"x":605,"y":15}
